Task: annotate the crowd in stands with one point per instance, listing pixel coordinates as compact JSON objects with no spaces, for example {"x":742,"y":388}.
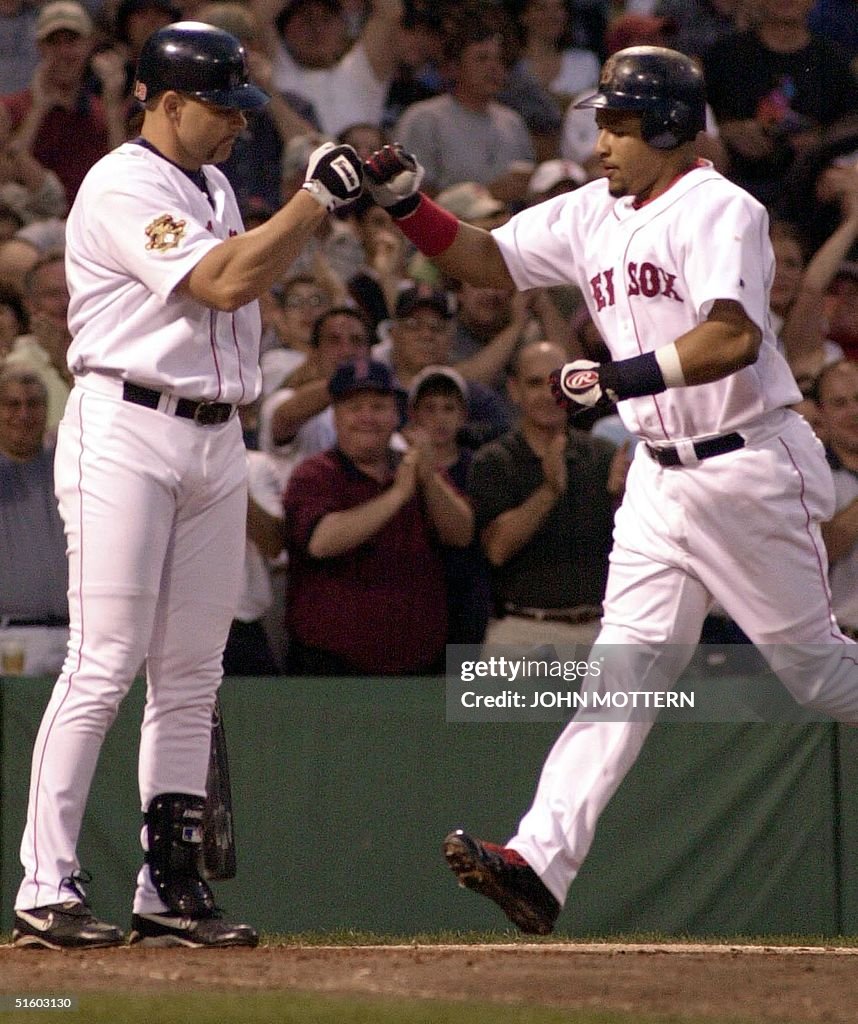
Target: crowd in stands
{"x":412,"y":481}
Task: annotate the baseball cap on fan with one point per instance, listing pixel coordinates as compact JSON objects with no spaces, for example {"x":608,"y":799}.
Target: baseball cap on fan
{"x":430,"y":376}
{"x":360,"y":375}
{"x":551,"y":174}
{"x":61,"y":15}
{"x":470,"y":201}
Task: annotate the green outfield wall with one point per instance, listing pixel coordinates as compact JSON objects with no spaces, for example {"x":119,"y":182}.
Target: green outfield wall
{"x":344,"y":789}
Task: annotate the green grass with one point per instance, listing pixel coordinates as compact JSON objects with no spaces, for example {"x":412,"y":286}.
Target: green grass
{"x":277,"y":1008}
{"x":511,"y":937}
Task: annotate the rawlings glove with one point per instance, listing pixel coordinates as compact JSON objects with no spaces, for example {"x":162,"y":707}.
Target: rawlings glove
{"x":393,"y":178}
{"x":578,"y":383}
{"x":334,"y":175}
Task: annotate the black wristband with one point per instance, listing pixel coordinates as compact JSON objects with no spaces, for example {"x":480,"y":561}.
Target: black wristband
{"x":405,"y":206}
{"x":632,"y":378}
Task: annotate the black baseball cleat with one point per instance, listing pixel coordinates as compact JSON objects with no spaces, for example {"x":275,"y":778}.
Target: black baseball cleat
{"x":195,"y":932}
{"x":69,"y":925}
{"x":504,"y":876}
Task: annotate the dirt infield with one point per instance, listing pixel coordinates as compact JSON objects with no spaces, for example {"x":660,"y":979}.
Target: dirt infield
{"x":782,"y":985}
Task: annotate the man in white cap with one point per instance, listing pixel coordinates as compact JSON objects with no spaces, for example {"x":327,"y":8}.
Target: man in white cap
{"x":56,"y":120}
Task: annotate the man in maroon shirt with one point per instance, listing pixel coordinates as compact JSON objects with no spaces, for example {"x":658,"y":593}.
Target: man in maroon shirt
{"x":56,"y":120}
{"x":366,"y":593}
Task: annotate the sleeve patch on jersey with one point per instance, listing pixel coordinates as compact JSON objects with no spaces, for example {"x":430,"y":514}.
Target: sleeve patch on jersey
{"x":164,"y":233}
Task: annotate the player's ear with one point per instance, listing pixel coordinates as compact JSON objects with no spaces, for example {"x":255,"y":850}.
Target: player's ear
{"x":172,"y":102}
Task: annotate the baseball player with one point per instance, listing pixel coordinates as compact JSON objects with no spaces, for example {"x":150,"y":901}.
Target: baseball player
{"x":151,"y":478}
{"x":726,"y":492}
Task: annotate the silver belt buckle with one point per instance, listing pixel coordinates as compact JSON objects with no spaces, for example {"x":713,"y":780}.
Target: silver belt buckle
{"x":201,"y":415}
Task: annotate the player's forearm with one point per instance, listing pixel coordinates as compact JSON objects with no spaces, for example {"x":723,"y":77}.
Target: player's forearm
{"x":506,"y":535}
{"x":450,"y":512}
{"x":339,"y":532}
{"x":241,"y":268}
{"x":474,"y":257}
{"x":288,"y":418}
{"x":721,"y":345}
{"x":461,"y":250}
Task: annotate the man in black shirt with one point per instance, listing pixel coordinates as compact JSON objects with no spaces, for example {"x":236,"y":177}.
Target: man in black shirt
{"x":544,"y":497}
{"x":772,"y":89}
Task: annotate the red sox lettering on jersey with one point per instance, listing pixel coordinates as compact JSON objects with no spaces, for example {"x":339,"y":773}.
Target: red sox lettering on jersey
{"x":647,"y":280}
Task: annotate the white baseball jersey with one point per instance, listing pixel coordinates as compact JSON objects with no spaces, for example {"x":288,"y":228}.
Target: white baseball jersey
{"x":650,"y":274}
{"x":138,"y":227}
{"x":740,"y":528}
{"x":154,"y":504}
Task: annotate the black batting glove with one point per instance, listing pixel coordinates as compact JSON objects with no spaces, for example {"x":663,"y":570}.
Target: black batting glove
{"x":334,"y":175}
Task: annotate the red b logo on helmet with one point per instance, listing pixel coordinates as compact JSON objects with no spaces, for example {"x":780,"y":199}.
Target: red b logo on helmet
{"x":576,"y":382}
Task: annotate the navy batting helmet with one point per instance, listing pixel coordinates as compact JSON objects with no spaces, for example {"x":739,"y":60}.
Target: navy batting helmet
{"x":199,"y":60}
{"x":664,"y":86}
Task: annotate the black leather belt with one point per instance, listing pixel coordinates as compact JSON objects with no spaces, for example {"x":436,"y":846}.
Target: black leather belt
{"x":575,"y":616}
{"x":207,"y":414}
{"x":702,"y":449}
{"x":50,"y":620}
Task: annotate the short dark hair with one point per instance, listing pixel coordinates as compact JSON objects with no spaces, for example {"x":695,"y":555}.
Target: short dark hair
{"x":468,"y":27}
{"x":340,"y":311}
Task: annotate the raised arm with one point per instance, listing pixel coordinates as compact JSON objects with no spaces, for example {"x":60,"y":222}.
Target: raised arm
{"x":725,"y":342}
{"x":379,"y":37}
{"x":244,"y":266}
{"x":802,"y":333}
{"x":458,"y":249}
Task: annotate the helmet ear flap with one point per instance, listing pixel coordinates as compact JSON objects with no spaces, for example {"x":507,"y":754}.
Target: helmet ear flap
{"x":668,"y":126}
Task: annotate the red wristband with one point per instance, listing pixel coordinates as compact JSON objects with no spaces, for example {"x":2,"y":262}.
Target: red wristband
{"x":430,"y":227}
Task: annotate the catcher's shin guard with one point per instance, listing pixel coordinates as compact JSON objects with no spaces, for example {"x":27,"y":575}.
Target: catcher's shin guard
{"x":175,"y":834}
